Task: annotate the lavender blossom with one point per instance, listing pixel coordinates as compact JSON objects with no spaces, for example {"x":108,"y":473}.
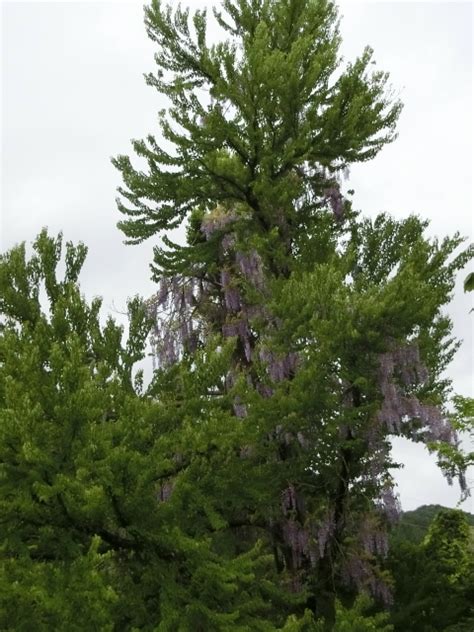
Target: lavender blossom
{"x":382,"y":591}
{"x":390,"y":504}
{"x":409,"y":366}
{"x":240,"y":409}
{"x":162,"y":295}
{"x":302,"y":440}
{"x":166,"y":490}
{"x":279,"y":368}
{"x":373,"y":539}
{"x":265,"y":390}
{"x":173,"y":328}
{"x":188,"y":293}
{"x":381,"y":543}
{"x":356,"y":571}
{"x":247,"y":348}
{"x":297,"y":539}
{"x":325,"y":531}
{"x":288,"y":499}
{"x":228,"y":242}
{"x":192,"y":342}
{"x":216,"y":220}
{"x":399,"y":408}
{"x":336,"y":201}
{"x":235,"y":328}
{"x":251,"y":266}
{"x":230,"y":380}
{"x":231,"y":293}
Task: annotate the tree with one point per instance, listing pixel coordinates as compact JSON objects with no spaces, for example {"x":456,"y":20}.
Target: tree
{"x":339,"y":336}
{"x":413,"y":525}
{"x":109,"y":496}
{"x":359,"y":619}
{"x":462,"y":420}
{"x":434,"y":580}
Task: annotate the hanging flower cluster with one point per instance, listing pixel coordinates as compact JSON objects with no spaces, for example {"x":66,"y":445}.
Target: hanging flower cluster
{"x":335,"y":198}
{"x":174,"y":326}
{"x":357,"y":571}
{"x":231,"y":292}
{"x":246,"y":267}
{"x":166,"y":489}
{"x":373,"y":538}
{"x":251,"y":266}
{"x":240,"y":409}
{"x":295,"y":536}
{"x":309,"y":542}
{"x":399,"y":370}
{"x":279,"y":367}
{"x":217,"y":220}
{"x":179,"y":307}
{"x":325,"y":531}
{"x":369,"y":542}
{"x":389,"y":504}
{"x":239,"y":328}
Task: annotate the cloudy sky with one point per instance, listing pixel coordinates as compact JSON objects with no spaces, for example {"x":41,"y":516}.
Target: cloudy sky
{"x":73,"y":94}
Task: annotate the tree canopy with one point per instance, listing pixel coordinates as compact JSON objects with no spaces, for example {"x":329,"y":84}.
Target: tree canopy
{"x":337,"y":320}
{"x":434,"y":579}
{"x":249,"y":485}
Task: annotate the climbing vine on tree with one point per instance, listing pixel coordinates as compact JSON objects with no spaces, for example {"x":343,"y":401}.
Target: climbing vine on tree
{"x":336,"y":321}
{"x":248,"y":485}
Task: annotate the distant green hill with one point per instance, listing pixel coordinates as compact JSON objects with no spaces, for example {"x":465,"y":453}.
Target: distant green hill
{"x":414,"y":524}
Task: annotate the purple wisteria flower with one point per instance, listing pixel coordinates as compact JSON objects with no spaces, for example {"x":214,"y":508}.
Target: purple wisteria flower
{"x":251,"y":266}
{"x":166,"y":490}
{"x":171,"y":310}
{"x":325,"y":531}
{"x":217,"y":220}
{"x":231,"y":293}
{"x":390,"y":504}
{"x":279,"y":367}
{"x":336,"y":201}
{"x":240,"y":409}
{"x":398,"y":371}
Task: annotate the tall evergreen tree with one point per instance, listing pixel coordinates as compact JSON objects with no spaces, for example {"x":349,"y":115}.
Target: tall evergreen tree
{"x":339,"y":338}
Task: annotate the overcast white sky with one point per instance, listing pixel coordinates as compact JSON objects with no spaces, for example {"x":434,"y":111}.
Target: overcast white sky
{"x":72,"y":95}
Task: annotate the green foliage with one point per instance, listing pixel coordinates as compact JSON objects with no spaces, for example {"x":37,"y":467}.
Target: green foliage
{"x":434,"y":580}
{"x":248,"y":486}
{"x":337,"y":325}
{"x":54,"y":595}
{"x":360,"y":617}
{"x":447,"y":544}
{"x":469,"y":282}
{"x":462,"y":420}
{"x":276,"y":114}
{"x":413,"y":525}
{"x":114,"y":503}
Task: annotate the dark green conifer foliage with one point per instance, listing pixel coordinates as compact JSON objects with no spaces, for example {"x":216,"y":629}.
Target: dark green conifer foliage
{"x":434,"y":580}
{"x":336,"y":323}
{"x":248,"y":487}
{"x":253,"y":120}
{"x":108,"y":496}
